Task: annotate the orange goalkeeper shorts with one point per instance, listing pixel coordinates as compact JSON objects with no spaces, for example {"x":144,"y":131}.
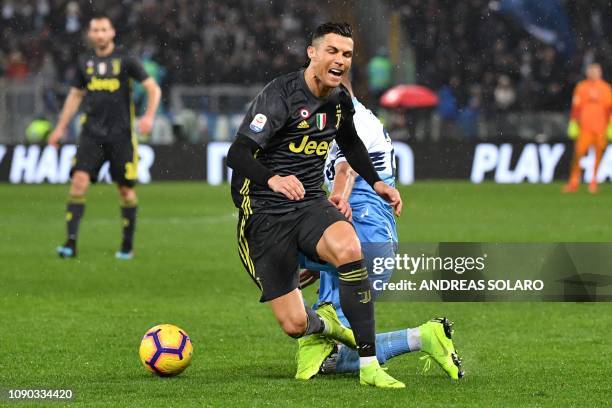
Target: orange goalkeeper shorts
{"x":588,"y":139}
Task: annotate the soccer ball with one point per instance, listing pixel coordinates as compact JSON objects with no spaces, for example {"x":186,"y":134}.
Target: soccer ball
{"x":166,"y":350}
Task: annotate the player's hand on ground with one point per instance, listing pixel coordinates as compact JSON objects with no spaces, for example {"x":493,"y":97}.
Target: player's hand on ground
{"x":342,"y":205}
{"x":145,"y":125}
{"x":308,"y":277}
{"x":54,"y":137}
{"x":391,"y":195}
{"x":289,"y":186}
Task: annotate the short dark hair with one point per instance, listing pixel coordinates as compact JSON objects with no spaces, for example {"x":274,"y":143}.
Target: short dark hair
{"x":343,"y":29}
{"x":100,"y":16}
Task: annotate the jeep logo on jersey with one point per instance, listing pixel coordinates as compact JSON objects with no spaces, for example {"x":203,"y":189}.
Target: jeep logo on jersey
{"x":321,"y":120}
{"x":103,"y":84}
{"x":307,"y":146}
{"x":258,"y":123}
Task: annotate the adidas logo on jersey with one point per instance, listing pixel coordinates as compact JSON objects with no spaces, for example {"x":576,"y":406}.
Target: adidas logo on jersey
{"x":303,"y":125}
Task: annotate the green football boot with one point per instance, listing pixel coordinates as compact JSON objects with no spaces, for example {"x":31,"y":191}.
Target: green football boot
{"x":436,"y":341}
{"x":336,"y":330}
{"x":373,"y":374}
{"x":312,"y":351}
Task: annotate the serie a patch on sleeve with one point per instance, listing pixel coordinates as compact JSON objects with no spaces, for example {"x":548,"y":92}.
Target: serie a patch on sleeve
{"x":258,"y":122}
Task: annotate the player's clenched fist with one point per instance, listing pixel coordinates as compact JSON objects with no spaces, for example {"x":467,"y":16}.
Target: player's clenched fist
{"x":289,"y":186}
{"x":391,"y":195}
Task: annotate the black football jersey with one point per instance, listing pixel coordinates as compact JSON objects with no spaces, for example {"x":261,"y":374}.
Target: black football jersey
{"x":108,"y":102}
{"x":294,"y":130}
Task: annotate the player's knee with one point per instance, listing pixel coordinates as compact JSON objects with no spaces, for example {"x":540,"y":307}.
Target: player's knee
{"x":79,"y":184}
{"x":127,"y":194}
{"x":349,"y":250}
{"x":294,"y":326}
{"x":340,"y":245}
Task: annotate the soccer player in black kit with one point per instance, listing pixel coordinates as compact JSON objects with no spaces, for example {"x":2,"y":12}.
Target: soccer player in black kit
{"x":278,"y":159}
{"x":103,"y":82}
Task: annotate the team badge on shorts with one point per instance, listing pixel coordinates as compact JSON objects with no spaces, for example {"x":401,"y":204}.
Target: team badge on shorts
{"x":258,"y":123}
{"x":321,"y":120}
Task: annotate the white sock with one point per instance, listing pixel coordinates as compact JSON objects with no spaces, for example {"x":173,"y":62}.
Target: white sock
{"x":364,"y":361}
{"x":414,"y":339}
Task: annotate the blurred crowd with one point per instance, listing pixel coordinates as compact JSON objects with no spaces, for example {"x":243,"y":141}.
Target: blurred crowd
{"x":481,"y":59}
{"x":193,"y":42}
{"x":476,"y":58}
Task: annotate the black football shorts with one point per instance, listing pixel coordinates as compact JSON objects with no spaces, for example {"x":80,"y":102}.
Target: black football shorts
{"x":122,"y":155}
{"x":269,"y":244}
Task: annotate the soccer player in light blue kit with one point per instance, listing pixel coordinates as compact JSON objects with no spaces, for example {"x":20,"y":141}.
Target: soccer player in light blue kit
{"x":375,"y":225}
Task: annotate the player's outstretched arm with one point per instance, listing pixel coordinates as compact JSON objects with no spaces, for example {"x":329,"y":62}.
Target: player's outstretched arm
{"x":357,"y":156}
{"x":573,"y":128}
{"x":343,"y":186}
{"x":153,"y":98}
{"x":71,"y":106}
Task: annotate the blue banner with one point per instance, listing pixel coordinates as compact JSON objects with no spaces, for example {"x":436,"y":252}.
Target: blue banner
{"x":544,"y":19}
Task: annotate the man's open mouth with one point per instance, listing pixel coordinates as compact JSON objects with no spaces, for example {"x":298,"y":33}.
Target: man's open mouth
{"x":336,"y":72}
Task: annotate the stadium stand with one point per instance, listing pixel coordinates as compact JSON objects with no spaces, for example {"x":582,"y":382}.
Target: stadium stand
{"x":233,"y":41}
{"x":476,"y":50}
{"x":485,"y":64}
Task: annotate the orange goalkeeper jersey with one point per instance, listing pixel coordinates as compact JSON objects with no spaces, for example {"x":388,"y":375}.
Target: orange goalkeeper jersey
{"x":592,"y":105}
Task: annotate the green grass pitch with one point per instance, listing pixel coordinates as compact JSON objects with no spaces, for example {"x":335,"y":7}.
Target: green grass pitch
{"x":77,"y":323}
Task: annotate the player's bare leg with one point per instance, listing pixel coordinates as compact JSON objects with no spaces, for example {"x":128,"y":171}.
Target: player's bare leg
{"x":74,"y":212}
{"x":600,"y":146}
{"x":298,"y":320}
{"x":290,"y":313}
{"x":312,"y":329}
{"x":129,"y":209}
{"x":580,"y":149}
{"x":340,"y":246}
{"x":80,"y":183}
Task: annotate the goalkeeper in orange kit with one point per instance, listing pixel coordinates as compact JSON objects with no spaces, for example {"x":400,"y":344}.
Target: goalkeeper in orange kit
{"x":590,"y":123}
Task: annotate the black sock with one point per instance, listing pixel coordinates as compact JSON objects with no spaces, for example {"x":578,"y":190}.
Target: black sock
{"x":315,"y":323}
{"x":357,"y":305}
{"x":128,"y":216}
{"x":74,"y":212}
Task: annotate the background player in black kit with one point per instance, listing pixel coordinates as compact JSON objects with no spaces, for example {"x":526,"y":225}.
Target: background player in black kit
{"x":103,"y":82}
{"x":278,"y":159}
